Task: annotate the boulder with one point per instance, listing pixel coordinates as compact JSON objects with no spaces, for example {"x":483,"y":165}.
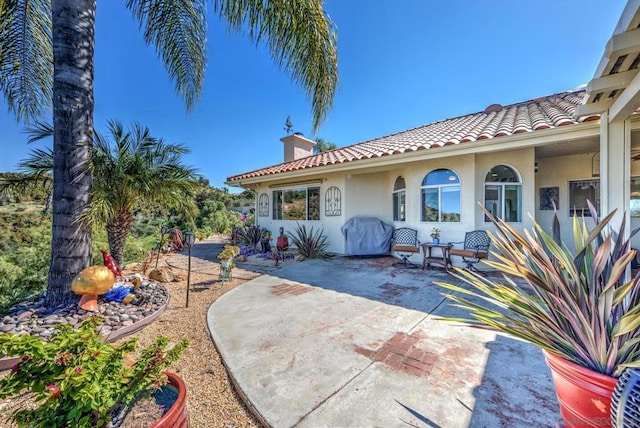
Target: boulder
{"x":163,"y":274}
{"x":179,"y":277}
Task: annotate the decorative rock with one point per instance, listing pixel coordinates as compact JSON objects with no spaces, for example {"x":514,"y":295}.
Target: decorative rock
{"x":179,"y":276}
{"x":299,"y":258}
{"x":162,"y":274}
{"x":7,"y":328}
{"x":31,"y":317}
{"x":25,"y":315}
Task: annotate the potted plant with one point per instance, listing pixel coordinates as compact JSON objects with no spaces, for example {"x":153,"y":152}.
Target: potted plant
{"x":227,"y":261}
{"x":435,"y":235}
{"x":575,"y":305}
{"x":77,"y":379}
{"x":265,"y":239}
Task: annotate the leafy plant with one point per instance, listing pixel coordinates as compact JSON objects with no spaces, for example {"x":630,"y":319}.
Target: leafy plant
{"x":310,"y":244}
{"x":228,"y":252}
{"x":78,"y":379}
{"x":574,"y":304}
{"x":248,"y":235}
{"x":435,"y":233}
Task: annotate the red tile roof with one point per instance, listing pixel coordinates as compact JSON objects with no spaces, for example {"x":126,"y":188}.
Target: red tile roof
{"x":495,"y":121}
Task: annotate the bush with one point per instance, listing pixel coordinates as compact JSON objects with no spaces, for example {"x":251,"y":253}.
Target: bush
{"x":248,"y":235}
{"x":310,"y":245}
{"x":78,"y":379}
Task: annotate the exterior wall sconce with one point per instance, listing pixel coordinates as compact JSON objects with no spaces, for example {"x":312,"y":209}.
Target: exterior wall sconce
{"x":189,"y":239}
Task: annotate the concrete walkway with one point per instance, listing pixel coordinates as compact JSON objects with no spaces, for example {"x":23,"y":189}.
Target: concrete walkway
{"x":355,"y":342}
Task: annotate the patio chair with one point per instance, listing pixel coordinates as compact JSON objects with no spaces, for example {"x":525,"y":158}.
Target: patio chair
{"x":405,"y":243}
{"x":475,"y":248}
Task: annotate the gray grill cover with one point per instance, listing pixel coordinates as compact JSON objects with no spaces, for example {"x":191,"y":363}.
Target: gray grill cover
{"x":367,"y":236}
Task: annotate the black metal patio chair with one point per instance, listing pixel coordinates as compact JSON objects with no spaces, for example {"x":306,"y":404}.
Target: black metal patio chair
{"x":475,"y":248}
{"x":405,"y":243}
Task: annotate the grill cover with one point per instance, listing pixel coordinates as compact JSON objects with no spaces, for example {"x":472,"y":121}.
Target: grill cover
{"x":367,"y":236}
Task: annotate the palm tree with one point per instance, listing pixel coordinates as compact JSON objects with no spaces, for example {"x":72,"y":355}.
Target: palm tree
{"x":138,"y":169}
{"x":46,"y":59}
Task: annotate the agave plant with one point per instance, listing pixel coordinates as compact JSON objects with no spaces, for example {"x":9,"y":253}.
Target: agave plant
{"x":575,"y":304}
{"x":310,"y":244}
{"x":248,"y":235}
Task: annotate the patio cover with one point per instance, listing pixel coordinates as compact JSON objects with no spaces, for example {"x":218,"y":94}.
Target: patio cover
{"x":367,"y":236}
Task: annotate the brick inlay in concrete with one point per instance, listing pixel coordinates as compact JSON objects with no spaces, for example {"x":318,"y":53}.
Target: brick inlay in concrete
{"x":295,"y":289}
{"x":400,"y":353}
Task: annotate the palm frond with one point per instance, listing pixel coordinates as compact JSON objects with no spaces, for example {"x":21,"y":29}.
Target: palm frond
{"x":26,"y":56}
{"x":178,"y":30}
{"x":301,"y":38}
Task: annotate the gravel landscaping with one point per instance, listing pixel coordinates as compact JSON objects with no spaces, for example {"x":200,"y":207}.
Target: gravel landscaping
{"x":212,"y":400}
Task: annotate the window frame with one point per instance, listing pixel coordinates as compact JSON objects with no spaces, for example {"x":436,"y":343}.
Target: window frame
{"x":279,"y":211}
{"x":439,"y":188}
{"x":399,"y":201}
{"x":583,"y":211}
{"x":501,"y":187}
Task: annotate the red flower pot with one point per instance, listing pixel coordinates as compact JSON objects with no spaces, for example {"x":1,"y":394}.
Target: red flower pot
{"x":282,"y":243}
{"x":584,"y":395}
{"x":178,"y":415}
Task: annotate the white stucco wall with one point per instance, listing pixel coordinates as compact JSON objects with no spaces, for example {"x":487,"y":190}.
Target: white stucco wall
{"x":369,"y":194}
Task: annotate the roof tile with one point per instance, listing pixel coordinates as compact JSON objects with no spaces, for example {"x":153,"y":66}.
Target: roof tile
{"x":496,"y":121}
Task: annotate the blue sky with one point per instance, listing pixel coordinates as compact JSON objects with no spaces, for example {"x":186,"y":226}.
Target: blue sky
{"x":403,"y":66}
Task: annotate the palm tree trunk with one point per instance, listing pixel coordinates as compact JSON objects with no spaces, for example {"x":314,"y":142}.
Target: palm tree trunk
{"x":117,"y":231}
{"x":73,"y":31}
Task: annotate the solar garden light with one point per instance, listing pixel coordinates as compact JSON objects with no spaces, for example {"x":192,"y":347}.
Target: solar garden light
{"x":189,"y":239}
{"x":163,"y":231}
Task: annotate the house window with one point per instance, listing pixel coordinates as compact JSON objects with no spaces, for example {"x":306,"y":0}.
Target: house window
{"x":503,"y":194}
{"x":263,"y":205}
{"x":441,"y":196}
{"x":297,"y":204}
{"x":399,"y":200}
{"x":582,"y":190}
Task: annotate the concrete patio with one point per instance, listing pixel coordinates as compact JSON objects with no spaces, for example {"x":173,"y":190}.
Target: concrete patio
{"x":357,"y":342}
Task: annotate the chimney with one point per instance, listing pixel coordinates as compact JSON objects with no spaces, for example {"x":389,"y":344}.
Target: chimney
{"x":297,"y":147}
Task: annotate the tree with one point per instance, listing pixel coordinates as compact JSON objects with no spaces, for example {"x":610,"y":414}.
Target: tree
{"x":138,"y":169}
{"x":46,"y":59}
{"x":324,"y":146}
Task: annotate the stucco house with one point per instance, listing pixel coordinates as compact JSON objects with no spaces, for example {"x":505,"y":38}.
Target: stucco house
{"x":518,"y":161}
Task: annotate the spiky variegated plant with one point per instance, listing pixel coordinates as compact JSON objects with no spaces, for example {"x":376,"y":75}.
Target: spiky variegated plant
{"x":310,"y":244}
{"x":575,"y":304}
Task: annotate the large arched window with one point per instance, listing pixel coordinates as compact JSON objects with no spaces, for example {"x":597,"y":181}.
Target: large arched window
{"x":503,"y":194}
{"x":399,"y":200}
{"x":441,"y":196}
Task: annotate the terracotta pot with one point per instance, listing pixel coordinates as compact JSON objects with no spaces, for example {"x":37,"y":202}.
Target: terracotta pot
{"x":178,"y":415}
{"x":282,"y":243}
{"x":584,"y":395}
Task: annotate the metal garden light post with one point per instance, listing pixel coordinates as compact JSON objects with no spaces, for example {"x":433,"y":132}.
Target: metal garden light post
{"x":189,"y":239}
{"x":163,"y":231}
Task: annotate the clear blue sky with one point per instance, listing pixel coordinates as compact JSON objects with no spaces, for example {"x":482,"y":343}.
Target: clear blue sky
{"x":402,"y":64}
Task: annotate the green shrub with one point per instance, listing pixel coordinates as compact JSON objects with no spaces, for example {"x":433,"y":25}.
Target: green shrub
{"x":78,"y":379}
